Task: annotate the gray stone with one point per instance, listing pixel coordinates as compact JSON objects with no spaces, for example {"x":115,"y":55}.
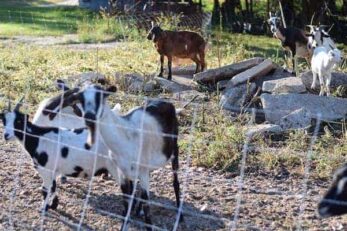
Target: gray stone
{"x":299,"y":119}
{"x":285,"y":85}
{"x":263,"y":128}
{"x":184,"y":70}
{"x":234,"y":98}
{"x":278,"y":106}
{"x":337,"y":79}
{"x":187,"y":96}
{"x":278,"y":73}
{"x":171,"y":86}
{"x":150,"y":86}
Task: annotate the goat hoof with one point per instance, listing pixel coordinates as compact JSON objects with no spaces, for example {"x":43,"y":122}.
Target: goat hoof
{"x":169,"y":78}
{"x":160,"y":75}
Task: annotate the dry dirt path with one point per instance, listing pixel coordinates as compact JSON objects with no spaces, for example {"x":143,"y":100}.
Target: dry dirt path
{"x":268,"y":202}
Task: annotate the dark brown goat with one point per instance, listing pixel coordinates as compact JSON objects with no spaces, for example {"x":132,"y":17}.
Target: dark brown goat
{"x":180,"y":44}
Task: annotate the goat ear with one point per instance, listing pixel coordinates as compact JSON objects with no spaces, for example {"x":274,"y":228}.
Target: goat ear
{"x":110,"y":90}
{"x":19,"y":104}
{"x":61,"y":85}
{"x":72,"y":99}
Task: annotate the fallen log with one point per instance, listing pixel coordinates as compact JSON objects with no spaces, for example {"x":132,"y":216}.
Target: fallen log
{"x":253,"y":73}
{"x":226,"y":72}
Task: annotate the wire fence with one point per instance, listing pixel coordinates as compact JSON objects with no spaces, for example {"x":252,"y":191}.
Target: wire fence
{"x":210,"y":199}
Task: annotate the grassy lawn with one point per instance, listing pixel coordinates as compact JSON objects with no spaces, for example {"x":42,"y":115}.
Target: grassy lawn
{"x":217,"y":140}
{"x":23,"y":65}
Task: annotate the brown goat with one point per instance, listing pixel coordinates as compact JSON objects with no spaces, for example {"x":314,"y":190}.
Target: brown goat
{"x":180,"y":44}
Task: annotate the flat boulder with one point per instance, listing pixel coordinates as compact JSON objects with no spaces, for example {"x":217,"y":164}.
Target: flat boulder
{"x":278,"y":73}
{"x":278,"y":106}
{"x":337,"y":79}
{"x":262,"y":129}
{"x":299,"y":119}
{"x":285,"y":85}
{"x":234,"y":98}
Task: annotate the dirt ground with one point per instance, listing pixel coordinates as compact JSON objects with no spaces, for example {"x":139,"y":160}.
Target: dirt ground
{"x":268,"y":201}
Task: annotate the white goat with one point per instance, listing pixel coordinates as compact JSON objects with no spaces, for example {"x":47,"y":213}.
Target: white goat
{"x":322,"y":64}
{"x":56,"y":151}
{"x":142,"y":140}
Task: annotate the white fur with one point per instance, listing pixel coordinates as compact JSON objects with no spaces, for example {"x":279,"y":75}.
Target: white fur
{"x":52,"y":143}
{"x":322,"y":64}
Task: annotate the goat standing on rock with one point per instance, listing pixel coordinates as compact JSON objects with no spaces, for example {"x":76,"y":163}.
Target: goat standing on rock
{"x":325,"y":58}
{"x":180,"y":44}
{"x":293,"y":39}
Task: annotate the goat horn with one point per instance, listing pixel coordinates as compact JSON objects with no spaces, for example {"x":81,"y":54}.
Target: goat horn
{"x":330,"y":28}
{"x":19,"y":104}
{"x":314,"y":14}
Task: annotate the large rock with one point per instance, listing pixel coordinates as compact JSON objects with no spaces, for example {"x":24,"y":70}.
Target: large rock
{"x":337,"y":79}
{"x":171,"y":86}
{"x":235,"y":98}
{"x":286,"y":85}
{"x":278,"y":73}
{"x":262,"y":129}
{"x":299,"y":119}
{"x":278,"y":106}
{"x":226,"y":72}
{"x":253,"y":73}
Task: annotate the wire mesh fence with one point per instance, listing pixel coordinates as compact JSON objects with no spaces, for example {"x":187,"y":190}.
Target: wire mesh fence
{"x":211,"y":199}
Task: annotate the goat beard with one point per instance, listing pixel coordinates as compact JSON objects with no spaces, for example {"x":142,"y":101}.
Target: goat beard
{"x":91,"y":135}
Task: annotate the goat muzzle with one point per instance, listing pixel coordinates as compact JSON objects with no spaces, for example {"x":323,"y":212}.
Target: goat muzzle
{"x":90,"y":122}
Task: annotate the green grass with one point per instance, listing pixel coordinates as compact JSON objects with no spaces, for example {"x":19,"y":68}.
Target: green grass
{"x":41,"y":21}
{"x":217,"y":141}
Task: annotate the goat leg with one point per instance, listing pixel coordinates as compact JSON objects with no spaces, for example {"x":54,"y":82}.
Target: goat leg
{"x":328,"y":81}
{"x":161,"y":66}
{"x":321,"y":82}
{"x":146,"y":210}
{"x":169,"y":63}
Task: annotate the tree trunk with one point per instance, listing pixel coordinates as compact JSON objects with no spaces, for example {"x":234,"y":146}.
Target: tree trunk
{"x":216,"y":13}
{"x":344,"y":7}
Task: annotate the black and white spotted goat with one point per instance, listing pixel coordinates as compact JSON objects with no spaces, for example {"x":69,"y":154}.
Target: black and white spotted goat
{"x":142,"y":140}
{"x":334,"y":203}
{"x":69,"y":117}
{"x":293,"y":39}
{"x":56,"y":151}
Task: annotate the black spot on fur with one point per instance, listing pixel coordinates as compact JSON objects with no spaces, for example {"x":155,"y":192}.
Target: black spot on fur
{"x":30,"y":136}
{"x":77,"y":172}
{"x":55,"y":203}
{"x":56,"y":101}
{"x":54,"y":186}
{"x":165,"y":114}
{"x":44,"y":193}
{"x":64,"y":152}
{"x":42,"y":159}
{"x":78,"y":130}
{"x":87,"y":146}
{"x":101,"y":171}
